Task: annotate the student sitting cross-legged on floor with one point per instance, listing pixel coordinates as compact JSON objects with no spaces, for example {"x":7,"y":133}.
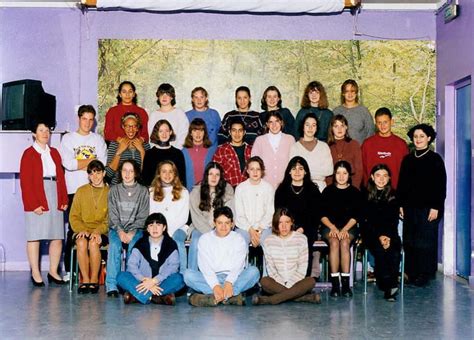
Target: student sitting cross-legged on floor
{"x":153,"y":267}
{"x":222,"y":275}
{"x":286,"y":256}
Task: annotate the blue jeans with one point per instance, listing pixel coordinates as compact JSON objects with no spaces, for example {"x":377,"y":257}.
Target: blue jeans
{"x":246,"y":280}
{"x":193,"y":250}
{"x":114,"y":257}
{"x":245,"y":234}
{"x":179,"y":237}
{"x":128,"y":282}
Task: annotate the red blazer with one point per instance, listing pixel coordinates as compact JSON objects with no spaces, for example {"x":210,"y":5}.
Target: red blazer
{"x":113,"y":122}
{"x":31,"y":180}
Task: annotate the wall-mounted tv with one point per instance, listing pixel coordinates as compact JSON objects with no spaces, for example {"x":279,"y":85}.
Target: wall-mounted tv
{"x":24,"y":102}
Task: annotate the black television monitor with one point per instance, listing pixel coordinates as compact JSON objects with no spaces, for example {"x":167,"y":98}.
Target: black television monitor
{"x":24,"y":102}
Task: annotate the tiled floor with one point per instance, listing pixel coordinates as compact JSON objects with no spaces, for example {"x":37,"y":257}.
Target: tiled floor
{"x":444,"y":310}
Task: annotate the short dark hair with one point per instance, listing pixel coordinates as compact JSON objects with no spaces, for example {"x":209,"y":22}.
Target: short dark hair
{"x":85,"y":109}
{"x":235,"y":120}
{"x":158,"y":218}
{"x":226,"y":211}
{"x":279,"y":212}
{"x":95,"y":165}
{"x":383,"y":111}
{"x":342,"y":164}
{"x":166,"y":88}
{"x":37,"y":122}
{"x":427,"y":129}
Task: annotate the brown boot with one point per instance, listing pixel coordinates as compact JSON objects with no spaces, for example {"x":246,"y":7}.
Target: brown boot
{"x":129,"y":298}
{"x":202,"y":300}
{"x":260,"y":300}
{"x":310,"y":298}
{"x":237,"y":300}
{"x":169,"y":300}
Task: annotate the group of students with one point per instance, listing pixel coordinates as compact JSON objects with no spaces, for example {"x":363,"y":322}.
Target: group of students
{"x":261,"y":179}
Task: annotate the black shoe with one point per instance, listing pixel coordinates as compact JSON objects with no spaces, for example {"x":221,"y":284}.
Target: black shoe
{"x":346,"y":289}
{"x":93,"y":288}
{"x":83,"y":289}
{"x":35,"y":283}
{"x":51,"y":279}
{"x":113,"y":293}
{"x":336,"y":288}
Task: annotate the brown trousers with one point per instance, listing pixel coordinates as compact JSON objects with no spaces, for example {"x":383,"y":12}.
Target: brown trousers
{"x":279,"y":293}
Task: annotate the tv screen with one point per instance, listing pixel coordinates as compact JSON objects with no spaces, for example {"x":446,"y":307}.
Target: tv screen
{"x":13,"y":101}
{"x":24,"y":103}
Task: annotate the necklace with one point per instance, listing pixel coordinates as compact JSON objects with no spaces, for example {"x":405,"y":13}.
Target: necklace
{"x":422,"y":154}
{"x":96,"y":202}
{"x":340,"y":153}
{"x":295,"y":191}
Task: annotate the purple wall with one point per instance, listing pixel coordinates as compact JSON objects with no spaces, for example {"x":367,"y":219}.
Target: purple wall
{"x":455,"y":61}
{"x":59,"y":46}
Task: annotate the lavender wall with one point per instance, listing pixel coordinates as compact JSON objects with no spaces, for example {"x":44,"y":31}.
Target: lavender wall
{"x":455,"y":61}
{"x":59,"y":46}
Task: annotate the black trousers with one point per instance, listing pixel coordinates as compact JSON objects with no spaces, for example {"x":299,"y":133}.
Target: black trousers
{"x":420,"y":242}
{"x":387,"y":263}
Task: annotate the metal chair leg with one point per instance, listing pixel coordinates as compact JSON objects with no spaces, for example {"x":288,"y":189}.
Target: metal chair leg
{"x":71,"y":274}
{"x":365,"y":269}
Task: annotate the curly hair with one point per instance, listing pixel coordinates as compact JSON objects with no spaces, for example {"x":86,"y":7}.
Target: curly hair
{"x":207,"y":202}
{"x":323,"y":97}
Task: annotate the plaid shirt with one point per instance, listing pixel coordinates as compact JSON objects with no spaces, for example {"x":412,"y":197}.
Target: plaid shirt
{"x":228,"y":159}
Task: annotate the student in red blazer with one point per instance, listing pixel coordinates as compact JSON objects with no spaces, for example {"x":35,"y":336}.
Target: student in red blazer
{"x":45,"y":198}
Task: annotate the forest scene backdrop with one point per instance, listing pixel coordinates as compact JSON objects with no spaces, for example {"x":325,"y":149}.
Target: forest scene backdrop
{"x":397,"y":74}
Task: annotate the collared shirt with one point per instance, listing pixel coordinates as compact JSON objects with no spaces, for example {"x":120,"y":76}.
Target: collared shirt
{"x":274,"y":140}
{"x":49,"y":168}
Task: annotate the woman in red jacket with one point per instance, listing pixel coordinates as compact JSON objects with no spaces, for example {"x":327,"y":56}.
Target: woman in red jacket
{"x":44,"y":195}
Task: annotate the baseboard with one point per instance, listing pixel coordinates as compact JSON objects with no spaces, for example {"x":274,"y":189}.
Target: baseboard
{"x":12,"y":266}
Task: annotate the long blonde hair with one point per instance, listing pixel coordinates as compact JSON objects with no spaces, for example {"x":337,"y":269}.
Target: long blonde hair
{"x":157,"y":186}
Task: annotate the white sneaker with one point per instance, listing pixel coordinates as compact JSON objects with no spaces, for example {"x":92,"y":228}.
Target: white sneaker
{"x":66,"y":277}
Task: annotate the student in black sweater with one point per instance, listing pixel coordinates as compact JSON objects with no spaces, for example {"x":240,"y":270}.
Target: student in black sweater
{"x":341,"y":205}
{"x":421,"y":191}
{"x":162,"y":135}
{"x":302,"y":198}
{"x":379,"y":229}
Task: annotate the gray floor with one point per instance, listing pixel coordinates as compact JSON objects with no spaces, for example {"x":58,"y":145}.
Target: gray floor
{"x":444,"y":310}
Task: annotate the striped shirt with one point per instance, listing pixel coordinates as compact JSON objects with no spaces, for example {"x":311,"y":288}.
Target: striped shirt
{"x":286,"y":258}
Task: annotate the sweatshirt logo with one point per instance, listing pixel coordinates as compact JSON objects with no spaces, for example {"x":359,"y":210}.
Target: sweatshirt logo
{"x":384,"y":154}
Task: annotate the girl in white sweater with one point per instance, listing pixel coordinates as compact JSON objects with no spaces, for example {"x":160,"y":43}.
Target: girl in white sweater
{"x":169,"y":197}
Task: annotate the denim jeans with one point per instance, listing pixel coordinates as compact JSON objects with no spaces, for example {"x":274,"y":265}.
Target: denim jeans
{"x":179,"y":237}
{"x":246,"y":280}
{"x":245,"y":234}
{"x":193,"y":250}
{"x":115,"y":255}
{"x":128,"y":282}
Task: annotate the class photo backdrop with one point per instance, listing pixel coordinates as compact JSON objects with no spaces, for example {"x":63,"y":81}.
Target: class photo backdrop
{"x":398,"y":74}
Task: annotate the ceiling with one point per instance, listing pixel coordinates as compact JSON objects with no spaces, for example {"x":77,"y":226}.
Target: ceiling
{"x":366,"y":4}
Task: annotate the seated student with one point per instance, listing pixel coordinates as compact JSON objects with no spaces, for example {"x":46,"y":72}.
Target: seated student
{"x":286,"y":256}
{"x":233,"y":155}
{"x":129,"y":147}
{"x":302,"y":198}
{"x":197,"y":151}
{"x":126,"y":102}
{"x":222,"y":255}
{"x":340,"y":214}
{"x":89,"y":221}
{"x":254,"y":201}
{"x":162,"y":150}
{"x":129,"y":206}
{"x":152,"y":269}
{"x":213,"y":192}
{"x":200,"y":102}
{"x":380,"y":229}
{"x":169,"y":197}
